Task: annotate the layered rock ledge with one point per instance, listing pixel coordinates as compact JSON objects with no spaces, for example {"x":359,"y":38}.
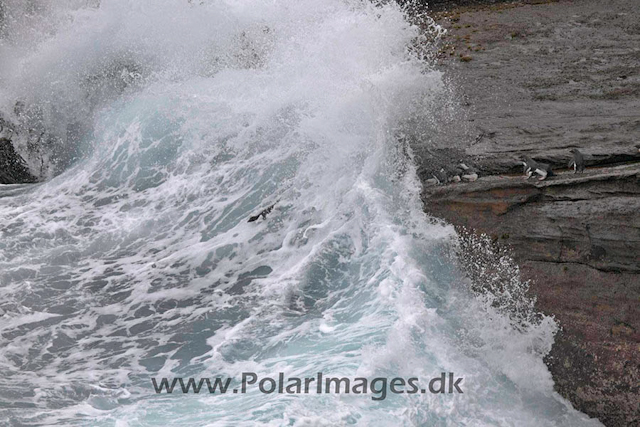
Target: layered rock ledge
{"x":578,"y":238}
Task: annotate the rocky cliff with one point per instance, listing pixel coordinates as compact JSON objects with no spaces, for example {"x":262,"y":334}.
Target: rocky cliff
{"x":578,"y":238}
{"x":537,"y":80}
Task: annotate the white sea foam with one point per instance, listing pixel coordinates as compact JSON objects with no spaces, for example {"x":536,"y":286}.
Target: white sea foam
{"x":139,"y":258}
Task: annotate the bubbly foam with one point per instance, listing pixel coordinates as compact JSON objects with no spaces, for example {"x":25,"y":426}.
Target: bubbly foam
{"x":138,"y":260}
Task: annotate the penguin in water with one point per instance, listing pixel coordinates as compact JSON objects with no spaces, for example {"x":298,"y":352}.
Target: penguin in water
{"x":531,"y":167}
{"x":577,"y":162}
{"x":263,"y":213}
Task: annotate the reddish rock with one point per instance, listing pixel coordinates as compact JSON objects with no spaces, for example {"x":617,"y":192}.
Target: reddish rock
{"x":578,"y":239}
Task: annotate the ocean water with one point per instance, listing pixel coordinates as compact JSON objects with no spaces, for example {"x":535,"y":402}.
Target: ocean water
{"x":133,"y":259}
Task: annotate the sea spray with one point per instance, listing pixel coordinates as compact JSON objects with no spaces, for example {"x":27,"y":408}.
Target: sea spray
{"x":135,"y":258}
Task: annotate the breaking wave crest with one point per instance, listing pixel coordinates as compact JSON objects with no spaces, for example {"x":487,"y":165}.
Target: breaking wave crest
{"x":168,"y":124}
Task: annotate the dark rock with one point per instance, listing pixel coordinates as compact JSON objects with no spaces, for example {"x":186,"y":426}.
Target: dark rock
{"x":13,"y":169}
{"x":2,"y":20}
{"x":437,"y":5}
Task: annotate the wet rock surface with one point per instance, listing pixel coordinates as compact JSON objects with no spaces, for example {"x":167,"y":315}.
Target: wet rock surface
{"x":13,"y":169}
{"x":538,"y":80}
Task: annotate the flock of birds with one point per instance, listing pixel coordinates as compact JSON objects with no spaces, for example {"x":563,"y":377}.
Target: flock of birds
{"x":544,"y":170}
{"x":465,"y":173}
{"x":461,"y":172}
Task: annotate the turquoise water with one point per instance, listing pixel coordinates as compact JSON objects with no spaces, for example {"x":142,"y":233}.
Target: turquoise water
{"x":138,"y":262}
